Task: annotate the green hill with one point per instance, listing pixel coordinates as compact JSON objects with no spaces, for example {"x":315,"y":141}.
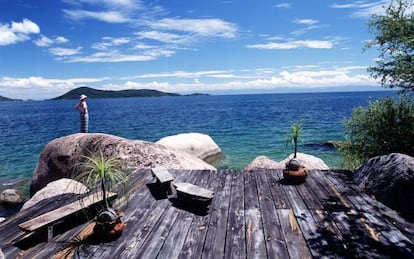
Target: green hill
{"x":7,"y":99}
{"x":94,"y":93}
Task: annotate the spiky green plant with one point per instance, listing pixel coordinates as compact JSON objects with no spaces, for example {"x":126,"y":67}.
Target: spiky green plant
{"x":100,"y":173}
{"x":294,"y":136}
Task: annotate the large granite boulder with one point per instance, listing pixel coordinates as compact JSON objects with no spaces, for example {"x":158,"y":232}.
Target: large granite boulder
{"x":55,"y":188}
{"x":196,"y":144}
{"x":308,"y":161}
{"x":60,"y":157}
{"x":263,"y":162}
{"x":390,"y":178}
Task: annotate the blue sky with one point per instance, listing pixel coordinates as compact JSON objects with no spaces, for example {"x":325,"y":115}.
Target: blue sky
{"x":48,"y":47}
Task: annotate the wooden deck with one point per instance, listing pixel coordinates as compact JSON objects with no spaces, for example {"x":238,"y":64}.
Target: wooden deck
{"x":252,"y":215}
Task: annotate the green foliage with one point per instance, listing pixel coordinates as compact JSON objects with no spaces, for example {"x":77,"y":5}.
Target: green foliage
{"x":295,"y":135}
{"x":101,"y":174}
{"x":394,"y":37}
{"x":386,"y":126}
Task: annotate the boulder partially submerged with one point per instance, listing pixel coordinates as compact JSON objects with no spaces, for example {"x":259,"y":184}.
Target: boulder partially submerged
{"x":390,"y":178}
{"x":61,"y":156}
{"x":196,"y":144}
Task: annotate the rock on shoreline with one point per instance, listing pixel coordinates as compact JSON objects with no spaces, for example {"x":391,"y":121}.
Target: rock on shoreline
{"x":308,"y":161}
{"x":196,"y":144}
{"x":60,"y":157}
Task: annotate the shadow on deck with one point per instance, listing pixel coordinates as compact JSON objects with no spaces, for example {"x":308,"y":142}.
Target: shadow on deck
{"x":252,"y":215}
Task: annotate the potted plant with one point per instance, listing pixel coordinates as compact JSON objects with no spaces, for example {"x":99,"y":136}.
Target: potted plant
{"x":102,"y":174}
{"x":294,"y":170}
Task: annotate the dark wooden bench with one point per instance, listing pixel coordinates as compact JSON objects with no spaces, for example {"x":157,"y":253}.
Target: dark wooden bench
{"x":164,"y":179}
{"x":190,"y":193}
{"x":58,"y":215}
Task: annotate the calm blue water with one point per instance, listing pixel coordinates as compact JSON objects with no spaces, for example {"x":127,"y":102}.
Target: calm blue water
{"x":244,"y":126}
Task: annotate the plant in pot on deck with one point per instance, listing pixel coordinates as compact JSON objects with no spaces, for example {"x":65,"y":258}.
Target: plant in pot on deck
{"x":294,"y":171}
{"x":102,"y":174}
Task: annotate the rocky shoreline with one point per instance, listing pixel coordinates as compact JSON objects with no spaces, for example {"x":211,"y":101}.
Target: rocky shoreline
{"x":195,"y":151}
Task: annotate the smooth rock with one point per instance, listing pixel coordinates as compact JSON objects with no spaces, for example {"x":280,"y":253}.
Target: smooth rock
{"x":390,"y":178}
{"x":196,"y":144}
{"x":263,"y":162}
{"x":308,"y":161}
{"x":55,"y":188}
{"x":11,"y":197}
{"x":60,"y":157}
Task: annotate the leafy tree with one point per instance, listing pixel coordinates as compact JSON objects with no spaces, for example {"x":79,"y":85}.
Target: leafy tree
{"x":394,"y":37}
{"x":385,"y":126}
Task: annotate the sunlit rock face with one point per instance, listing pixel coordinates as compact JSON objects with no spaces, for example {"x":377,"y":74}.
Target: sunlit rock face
{"x":196,"y":144}
{"x":61,"y":157}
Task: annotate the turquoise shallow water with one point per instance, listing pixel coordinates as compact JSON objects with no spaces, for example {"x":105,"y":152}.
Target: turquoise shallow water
{"x":244,"y":126}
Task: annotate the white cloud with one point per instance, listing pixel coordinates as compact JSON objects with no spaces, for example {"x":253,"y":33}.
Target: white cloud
{"x":108,"y":42}
{"x":364,"y":9}
{"x":303,"y":77}
{"x":283,"y":5}
{"x":108,"y":16}
{"x":17,"y":32}
{"x":306,"y":21}
{"x":63,"y":52}
{"x":312,"y":44}
{"x":46,"y":41}
{"x":201,"y":27}
{"x":165,"y":37}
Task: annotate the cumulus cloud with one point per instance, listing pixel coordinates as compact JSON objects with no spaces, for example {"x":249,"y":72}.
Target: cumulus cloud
{"x":17,"y":32}
{"x":303,"y":77}
{"x":47,"y":42}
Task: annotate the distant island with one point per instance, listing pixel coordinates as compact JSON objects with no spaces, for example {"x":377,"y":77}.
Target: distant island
{"x":95,"y":93}
{"x":4,"y":99}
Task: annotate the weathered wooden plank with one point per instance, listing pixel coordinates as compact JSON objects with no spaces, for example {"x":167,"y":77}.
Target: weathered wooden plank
{"x":157,"y":236}
{"x":60,"y":213}
{"x":162,"y":175}
{"x":391,"y":239}
{"x":314,"y":238}
{"x":255,"y":239}
{"x":294,"y":239}
{"x":305,"y":189}
{"x":350,"y":222}
{"x":196,"y":235}
{"x":192,"y":194}
{"x":279,"y":195}
{"x":178,"y":232}
{"x":275,"y":243}
{"x":236,"y":237}
{"x":140,"y":205}
{"x":215,"y":240}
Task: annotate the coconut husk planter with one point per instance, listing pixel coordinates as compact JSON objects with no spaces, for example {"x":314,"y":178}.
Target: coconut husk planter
{"x":296,"y":176}
{"x":109,"y":225}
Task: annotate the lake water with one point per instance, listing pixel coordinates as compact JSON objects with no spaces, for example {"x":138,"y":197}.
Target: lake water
{"x":244,"y":126}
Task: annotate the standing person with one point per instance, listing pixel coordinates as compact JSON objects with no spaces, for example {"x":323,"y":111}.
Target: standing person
{"x":82,"y":107}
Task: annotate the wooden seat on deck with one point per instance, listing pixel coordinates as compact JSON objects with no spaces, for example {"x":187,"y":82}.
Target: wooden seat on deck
{"x":58,"y":215}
